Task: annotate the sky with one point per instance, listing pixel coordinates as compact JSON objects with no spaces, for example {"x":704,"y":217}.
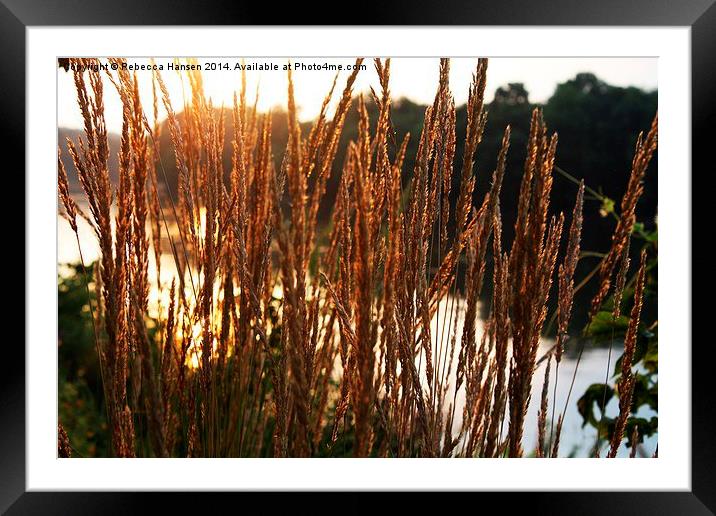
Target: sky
{"x":413,"y":78}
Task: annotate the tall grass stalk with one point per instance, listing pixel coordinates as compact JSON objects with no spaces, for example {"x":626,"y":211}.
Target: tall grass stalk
{"x":278,"y":337}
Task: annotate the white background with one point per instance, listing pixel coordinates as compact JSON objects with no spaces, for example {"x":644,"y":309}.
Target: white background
{"x":670,"y":471}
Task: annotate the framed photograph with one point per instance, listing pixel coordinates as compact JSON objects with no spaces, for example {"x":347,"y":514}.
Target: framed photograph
{"x":358,"y":258}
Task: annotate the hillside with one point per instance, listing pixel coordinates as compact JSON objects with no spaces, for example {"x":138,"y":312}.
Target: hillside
{"x":63,"y":133}
{"x":589,"y":116}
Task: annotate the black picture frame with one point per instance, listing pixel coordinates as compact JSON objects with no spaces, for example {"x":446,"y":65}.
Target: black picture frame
{"x":699,"y":15}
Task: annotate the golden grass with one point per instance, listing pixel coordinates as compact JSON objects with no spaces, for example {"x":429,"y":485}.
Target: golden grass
{"x":350,"y":351}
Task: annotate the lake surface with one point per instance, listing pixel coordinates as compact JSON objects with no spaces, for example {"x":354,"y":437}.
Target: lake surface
{"x":575,"y":440}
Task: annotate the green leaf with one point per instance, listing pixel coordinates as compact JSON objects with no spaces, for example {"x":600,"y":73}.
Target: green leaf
{"x":646,"y":428}
{"x":606,"y":429}
{"x":607,"y":207}
{"x":644,"y":394}
{"x":594,"y":395}
{"x":604,"y":327}
{"x":642,"y":346}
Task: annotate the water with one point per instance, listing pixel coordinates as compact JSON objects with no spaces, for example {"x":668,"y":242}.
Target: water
{"x":575,"y":440}
{"x":68,"y":252}
{"x":592,"y":368}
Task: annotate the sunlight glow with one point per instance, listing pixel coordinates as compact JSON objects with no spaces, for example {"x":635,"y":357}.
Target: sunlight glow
{"x":412,"y":78}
